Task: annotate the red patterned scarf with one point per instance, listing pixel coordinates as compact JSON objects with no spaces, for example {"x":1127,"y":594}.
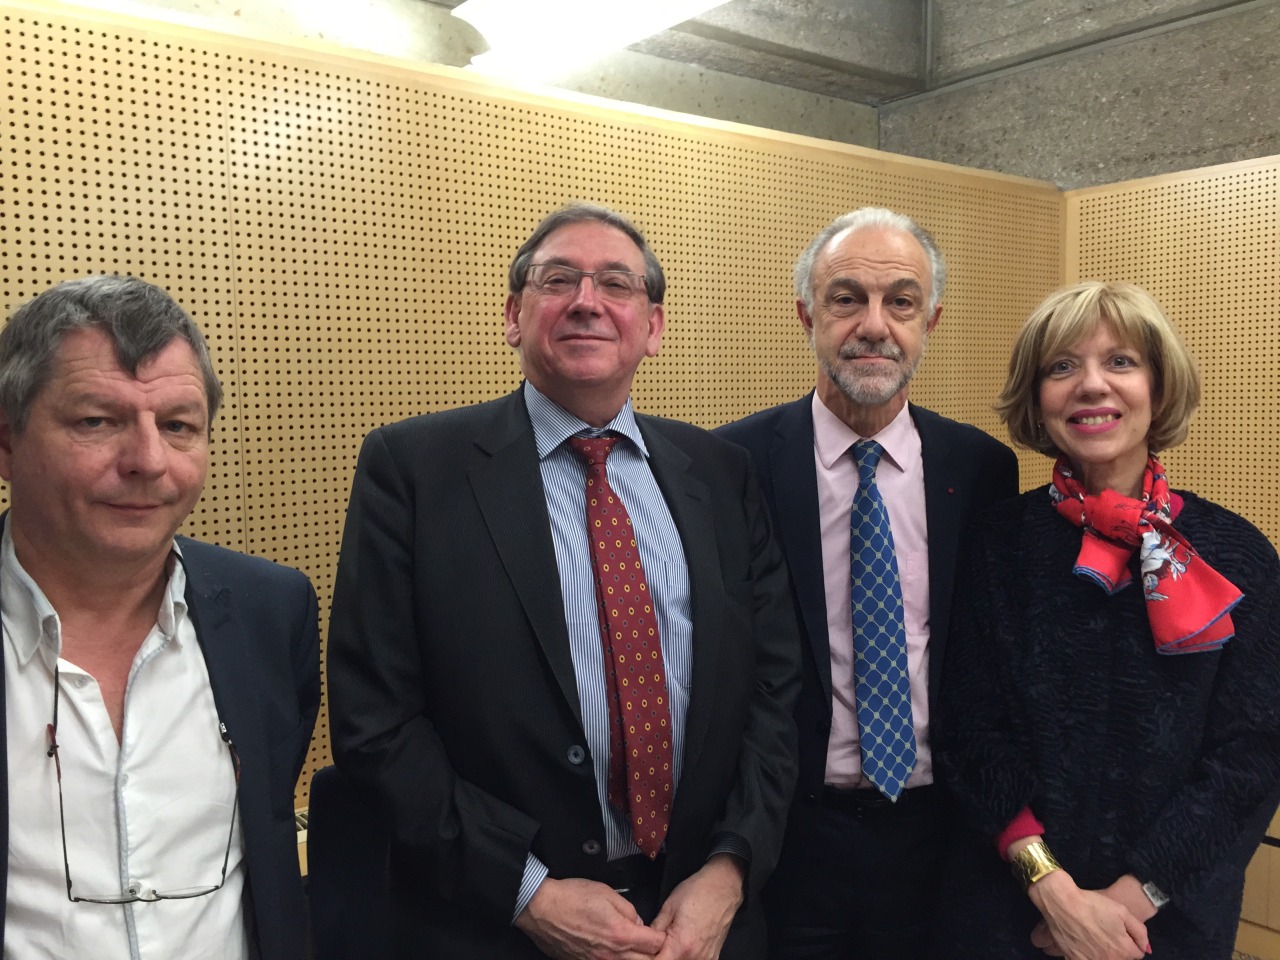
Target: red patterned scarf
{"x":1188,"y":602}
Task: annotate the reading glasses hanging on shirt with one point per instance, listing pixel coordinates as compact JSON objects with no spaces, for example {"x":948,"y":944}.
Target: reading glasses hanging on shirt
{"x":140,"y":894}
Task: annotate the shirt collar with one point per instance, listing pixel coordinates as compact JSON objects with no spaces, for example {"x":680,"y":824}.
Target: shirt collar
{"x":832,"y":437}
{"x":31,"y":621}
{"x":553,"y":424}
{"x":173,"y":605}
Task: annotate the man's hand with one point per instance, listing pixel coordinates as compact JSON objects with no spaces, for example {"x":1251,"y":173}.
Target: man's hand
{"x":697,"y":915}
{"x":1085,"y":924}
{"x":586,"y":920}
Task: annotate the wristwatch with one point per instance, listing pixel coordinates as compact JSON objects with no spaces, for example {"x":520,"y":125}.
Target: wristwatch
{"x":1157,"y":896}
{"x":1033,"y":862}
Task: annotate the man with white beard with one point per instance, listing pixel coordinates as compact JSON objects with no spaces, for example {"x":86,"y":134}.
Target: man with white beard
{"x":870,"y":496}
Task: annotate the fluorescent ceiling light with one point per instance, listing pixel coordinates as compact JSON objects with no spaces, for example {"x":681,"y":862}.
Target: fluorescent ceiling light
{"x":538,"y":39}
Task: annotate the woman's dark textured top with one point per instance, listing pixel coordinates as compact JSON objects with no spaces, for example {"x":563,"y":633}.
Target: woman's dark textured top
{"x":1053,"y":696}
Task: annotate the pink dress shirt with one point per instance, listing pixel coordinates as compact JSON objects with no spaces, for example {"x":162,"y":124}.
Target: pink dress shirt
{"x":900,"y":478}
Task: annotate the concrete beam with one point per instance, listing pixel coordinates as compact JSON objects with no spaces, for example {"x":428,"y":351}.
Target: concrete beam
{"x":657,"y":82}
{"x":865,"y":50}
{"x":970,"y":37}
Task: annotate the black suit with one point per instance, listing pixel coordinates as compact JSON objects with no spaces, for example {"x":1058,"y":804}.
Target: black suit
{"x":453,"y":694}
{"x":256,"y":623}
{"x":964,"y":469}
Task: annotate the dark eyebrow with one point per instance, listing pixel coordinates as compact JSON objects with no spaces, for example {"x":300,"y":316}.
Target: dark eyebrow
{"x":185,"y":407}
{"x":90,"y":398}
{"x":105,"y":402}
{"x":906,"y":283}
{"x":611,"y":265}
{"x":847,"y":283}
{"x":897,"y":286}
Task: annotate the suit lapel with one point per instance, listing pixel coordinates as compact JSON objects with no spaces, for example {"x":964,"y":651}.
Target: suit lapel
{"x":945,"y":488}
{"x":239,"y":692}
{"x":209,"y":603}
{"x":795,"y":502}
{"x":689,"y":499}
{"x":507,"y":484}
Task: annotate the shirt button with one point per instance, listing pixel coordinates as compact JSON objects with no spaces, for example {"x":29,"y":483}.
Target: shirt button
{"x":576,"y":755}
{"x":591,"y":848}
{"x":124,"y":779}
{"x":134,"y":887}
{"x":82,"y":682}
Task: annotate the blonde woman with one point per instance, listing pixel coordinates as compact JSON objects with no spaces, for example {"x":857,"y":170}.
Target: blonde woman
{"x":1111,"y":696}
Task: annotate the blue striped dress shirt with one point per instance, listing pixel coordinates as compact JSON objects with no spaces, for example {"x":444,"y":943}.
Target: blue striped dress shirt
{"x":564,"y":480}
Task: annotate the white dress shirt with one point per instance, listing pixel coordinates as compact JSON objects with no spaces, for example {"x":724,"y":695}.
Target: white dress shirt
{"x":150,"y":811}
{"x":900,"y":479}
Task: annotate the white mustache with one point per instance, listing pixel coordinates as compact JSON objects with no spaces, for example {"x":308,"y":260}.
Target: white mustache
{"x":857,"y":351}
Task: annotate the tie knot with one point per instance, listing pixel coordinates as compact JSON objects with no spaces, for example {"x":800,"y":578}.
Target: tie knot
{"x":592,"y":450}
{"x":867,"y":454}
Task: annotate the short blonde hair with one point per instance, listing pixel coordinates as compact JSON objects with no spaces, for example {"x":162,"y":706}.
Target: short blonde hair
{"x":1070,"y":315}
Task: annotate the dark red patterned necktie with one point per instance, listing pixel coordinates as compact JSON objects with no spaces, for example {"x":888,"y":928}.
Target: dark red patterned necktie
{"x":639,"y":716}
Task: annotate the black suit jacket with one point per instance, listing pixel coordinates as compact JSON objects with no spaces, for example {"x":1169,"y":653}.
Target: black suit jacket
{"x":964,"y":470}
{"x":453,"y":694}
{"x":256,"y":622}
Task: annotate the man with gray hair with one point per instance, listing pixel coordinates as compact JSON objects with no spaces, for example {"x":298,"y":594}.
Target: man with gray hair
{"x":158,"y":693}
{"x":870,"y":496}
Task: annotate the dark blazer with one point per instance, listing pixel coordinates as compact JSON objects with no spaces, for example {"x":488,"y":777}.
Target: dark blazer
{"x":256,"y":622}
{"x":964,"y":470}
{"x":453,"y":698}
{"x":1166,"y":767}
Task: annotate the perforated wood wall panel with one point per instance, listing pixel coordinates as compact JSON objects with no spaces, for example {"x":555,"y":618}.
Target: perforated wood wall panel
{"x":1204,"y":243}
{"x":341,"y":227}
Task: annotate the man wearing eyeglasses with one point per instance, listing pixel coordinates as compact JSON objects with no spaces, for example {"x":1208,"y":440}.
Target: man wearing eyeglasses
{"x":561,"y":653}
{"x":159,"y":692}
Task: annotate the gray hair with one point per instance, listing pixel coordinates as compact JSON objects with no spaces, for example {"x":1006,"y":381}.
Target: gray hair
{"x":655,"y":283}
{"x":140,"y":318}
{"x":861,"y":219}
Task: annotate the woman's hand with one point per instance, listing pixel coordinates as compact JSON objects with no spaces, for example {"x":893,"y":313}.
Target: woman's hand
{"x":1085,"y":924}
{"x":1128,"y":891}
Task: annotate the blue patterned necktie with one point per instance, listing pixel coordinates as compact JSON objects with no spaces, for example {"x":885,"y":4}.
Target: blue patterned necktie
{"x":879,"y":635}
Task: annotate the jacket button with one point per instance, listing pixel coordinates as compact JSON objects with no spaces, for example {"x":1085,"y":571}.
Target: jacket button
{"x":591,"y":848}
{"x":576,"y":754}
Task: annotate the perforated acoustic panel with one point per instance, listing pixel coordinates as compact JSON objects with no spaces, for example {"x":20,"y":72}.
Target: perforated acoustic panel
{"x":341,"y":228}
{"x":1204,"y":243}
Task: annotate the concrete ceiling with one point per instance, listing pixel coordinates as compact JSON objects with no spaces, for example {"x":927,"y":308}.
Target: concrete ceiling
{"x":860,"y":50}
{"x":870,"y":51}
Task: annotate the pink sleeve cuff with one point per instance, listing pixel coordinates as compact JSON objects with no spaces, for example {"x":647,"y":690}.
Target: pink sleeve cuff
{"x":1024,"y":824}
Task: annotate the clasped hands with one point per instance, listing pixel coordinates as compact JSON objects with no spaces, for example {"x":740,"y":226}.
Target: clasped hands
{"x":1106,"y":924}
{"x":585,"y":920}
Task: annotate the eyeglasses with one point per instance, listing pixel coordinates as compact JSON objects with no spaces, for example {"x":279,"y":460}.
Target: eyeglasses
{"x":557,"y":280}
{"x":134,"y":896}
